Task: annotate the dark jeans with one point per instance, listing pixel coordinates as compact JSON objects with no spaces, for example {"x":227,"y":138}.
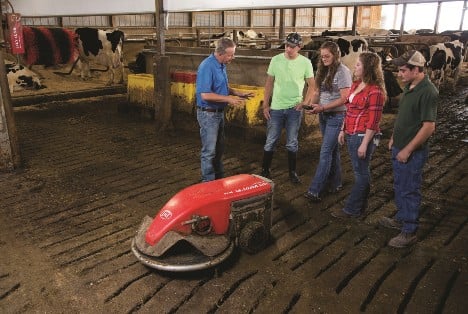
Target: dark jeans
{"x":212,"y":138}
{"x":357,"y":199}
{"x":407,"y":180}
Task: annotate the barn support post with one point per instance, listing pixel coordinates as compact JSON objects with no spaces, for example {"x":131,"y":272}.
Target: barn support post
{"x":403,"y":17}
{"x":9,"y":148}
{"x":463,"y":15}
{"x":162,"y":88}
{"x":436,"y":23}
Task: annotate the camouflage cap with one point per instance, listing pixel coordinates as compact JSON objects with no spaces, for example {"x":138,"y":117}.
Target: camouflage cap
{"x":293,"y":39}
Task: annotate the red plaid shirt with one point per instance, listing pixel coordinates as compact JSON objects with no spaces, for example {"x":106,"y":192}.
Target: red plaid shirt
{"x":365,"y":109}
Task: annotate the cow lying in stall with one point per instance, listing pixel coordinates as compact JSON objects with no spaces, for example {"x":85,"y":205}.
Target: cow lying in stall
{"x":242,"y":39}
{"x":20,"y":77}
{"x":102,"y":47}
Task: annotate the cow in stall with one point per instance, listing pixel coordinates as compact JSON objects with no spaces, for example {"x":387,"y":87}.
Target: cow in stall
{"x":20,"y":77}
{"x":102,"y":47}
{"x":350,"y":48}
{"x":443,"y":61}
{"x":46,"y":46}
{"x":242,"y":39}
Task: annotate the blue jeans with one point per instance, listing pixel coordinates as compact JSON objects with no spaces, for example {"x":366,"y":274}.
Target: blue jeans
{"x":407,"y":181}
{"x":329,"y":167}
{"x":357,"y":199}
{"x":290,"y":119}
{"x":212,"y":139}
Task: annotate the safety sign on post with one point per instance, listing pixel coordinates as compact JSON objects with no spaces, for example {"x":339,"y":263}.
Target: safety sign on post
{"x":16,"y":33}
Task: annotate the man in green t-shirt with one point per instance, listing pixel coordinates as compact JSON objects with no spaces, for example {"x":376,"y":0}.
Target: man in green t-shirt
{"x":414,"y":125}
{"x":286,"y":77}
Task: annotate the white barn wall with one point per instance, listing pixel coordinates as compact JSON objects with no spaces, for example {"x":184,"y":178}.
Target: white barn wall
{"x":93,"y":7}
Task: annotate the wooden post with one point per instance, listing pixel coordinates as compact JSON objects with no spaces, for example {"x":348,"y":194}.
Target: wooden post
{"x":281,"y":34}
{"x":162,"y":81}
{"x":9,"y":147}
{"x":355,"y":15}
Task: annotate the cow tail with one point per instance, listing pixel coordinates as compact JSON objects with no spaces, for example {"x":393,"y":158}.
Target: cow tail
{"x":72,"y":67}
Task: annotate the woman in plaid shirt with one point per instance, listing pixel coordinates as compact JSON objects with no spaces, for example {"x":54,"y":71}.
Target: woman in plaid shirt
{"x":361,"y":129}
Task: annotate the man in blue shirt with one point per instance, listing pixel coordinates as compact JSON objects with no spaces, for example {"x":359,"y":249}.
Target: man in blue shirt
{"x":213,"y":95}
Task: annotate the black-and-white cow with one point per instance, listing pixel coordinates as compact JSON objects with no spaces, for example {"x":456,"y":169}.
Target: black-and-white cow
{"x":351,"y":47}
{"x":242,"y":39}
{"x":102,"y":47}
{"x":444,"y":60}
{"x":20,"y":78}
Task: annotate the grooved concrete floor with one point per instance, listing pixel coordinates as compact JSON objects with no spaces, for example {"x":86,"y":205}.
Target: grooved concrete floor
{"x":91,"y":174}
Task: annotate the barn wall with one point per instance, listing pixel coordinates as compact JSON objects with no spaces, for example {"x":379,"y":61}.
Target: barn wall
{"x":186,"y":24}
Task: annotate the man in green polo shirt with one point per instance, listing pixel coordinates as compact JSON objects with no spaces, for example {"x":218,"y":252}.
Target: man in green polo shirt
{"x":414,"y":125}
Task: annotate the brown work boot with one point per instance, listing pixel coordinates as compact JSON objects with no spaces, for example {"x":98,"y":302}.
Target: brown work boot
{"x":403,"y":240}
{"x":339,"y":213}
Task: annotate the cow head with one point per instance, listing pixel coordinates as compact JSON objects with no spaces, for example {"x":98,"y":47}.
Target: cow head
{"x":116,"y":39}
{"x":358,"y":45}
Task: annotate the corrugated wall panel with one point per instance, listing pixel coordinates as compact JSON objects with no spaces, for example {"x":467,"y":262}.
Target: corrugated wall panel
{"x":338,"y":17}
{"x":144,"y":20}
{"x":322,"y":17}
{"x":179,"y":19}
{"x":304,"y":17}
{"x":78,"y":21}
{"x":262,"y":17}
{"x":236,"y":18}
{"x":208,"y":19}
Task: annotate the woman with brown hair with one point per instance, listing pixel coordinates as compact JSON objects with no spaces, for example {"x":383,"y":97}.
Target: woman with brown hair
{"x":332,"y":82}
{"x":361,"y":130}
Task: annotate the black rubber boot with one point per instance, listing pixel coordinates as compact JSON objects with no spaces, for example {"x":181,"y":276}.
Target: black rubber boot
{"x":267,"y":158}
{"x":292,"y":168}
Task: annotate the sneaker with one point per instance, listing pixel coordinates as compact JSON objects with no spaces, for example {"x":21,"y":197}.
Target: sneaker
{"x":339,"y":213}
{"x":312,"y":197}
{"x":403,"y":240}
{"x":390,"y":223}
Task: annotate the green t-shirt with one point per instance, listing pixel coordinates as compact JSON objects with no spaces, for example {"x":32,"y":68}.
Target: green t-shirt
{"x":415,"y":107}
{"x":290,"y":76}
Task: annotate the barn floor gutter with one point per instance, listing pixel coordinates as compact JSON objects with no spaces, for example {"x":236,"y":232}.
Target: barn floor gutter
{"x":29,"y":100}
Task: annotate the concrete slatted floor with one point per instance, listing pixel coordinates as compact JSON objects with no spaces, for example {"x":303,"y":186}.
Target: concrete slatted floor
{"x":91,"y":174}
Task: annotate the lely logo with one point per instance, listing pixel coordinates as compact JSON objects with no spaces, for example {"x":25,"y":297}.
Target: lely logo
{"x":165,"y":214}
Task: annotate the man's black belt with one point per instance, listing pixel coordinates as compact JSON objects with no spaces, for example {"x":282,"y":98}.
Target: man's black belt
{"x":211,"y":109}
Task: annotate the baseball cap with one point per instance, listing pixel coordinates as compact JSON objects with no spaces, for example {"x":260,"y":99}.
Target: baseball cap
{"x":293,"y":39}
{"x":412,"y":57}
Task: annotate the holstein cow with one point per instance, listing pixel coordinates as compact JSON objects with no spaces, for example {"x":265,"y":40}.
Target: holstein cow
{"x":102,"y":47}
{"x":20,"y":77}
{"x":351,"y":47}
{"x":443,"y":61}
{"x":242,"y":39}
